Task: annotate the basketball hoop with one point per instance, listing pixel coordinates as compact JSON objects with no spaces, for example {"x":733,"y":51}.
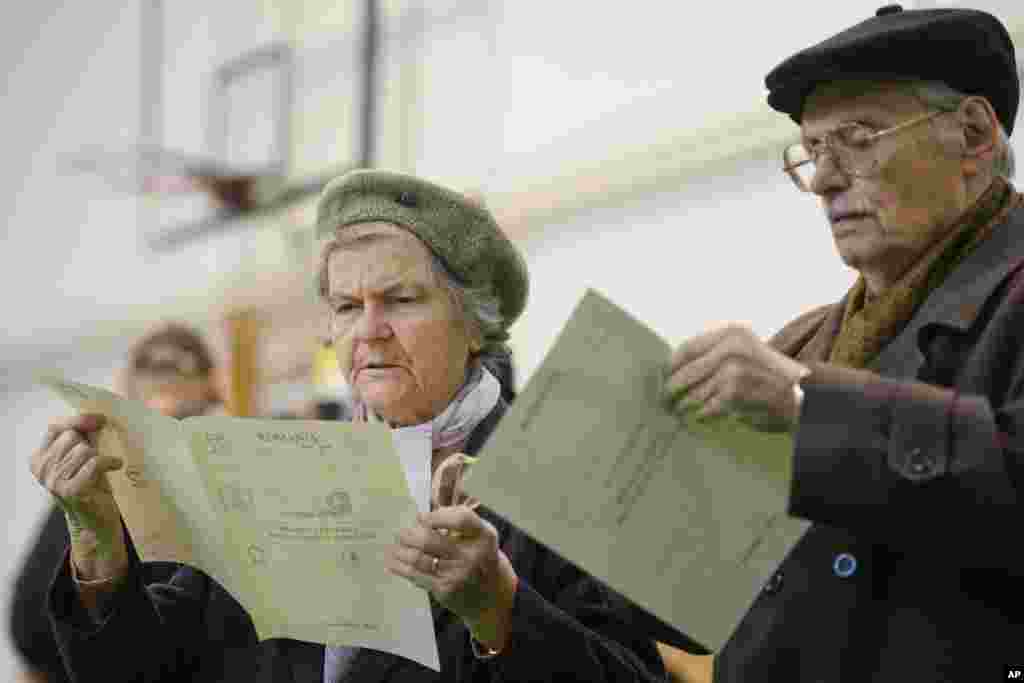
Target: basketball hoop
{"x":158,"y":172}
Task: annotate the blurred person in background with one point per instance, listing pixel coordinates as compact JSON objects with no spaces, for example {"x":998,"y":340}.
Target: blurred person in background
{"x":423,"y":286}
{"x":172,"y":371}
{"x":316,"y":409}
{"x":906,"y":398}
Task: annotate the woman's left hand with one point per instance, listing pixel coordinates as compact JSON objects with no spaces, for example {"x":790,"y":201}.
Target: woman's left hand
{"x":470,"y":576}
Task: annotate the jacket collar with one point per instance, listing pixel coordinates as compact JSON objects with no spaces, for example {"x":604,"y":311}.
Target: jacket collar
{"x":485,"y":428}
{"x":957,"y":302}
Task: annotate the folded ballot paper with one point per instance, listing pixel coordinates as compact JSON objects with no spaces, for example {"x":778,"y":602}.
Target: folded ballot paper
{"x":687,"y":520}
{"x":292,"y":517}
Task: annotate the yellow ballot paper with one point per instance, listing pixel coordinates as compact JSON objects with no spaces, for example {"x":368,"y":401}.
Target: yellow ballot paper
{"x":292,"y":517}
{"x":686,"y":520}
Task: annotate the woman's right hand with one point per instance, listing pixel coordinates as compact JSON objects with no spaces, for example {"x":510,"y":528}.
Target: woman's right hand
{"x":69,"y":466}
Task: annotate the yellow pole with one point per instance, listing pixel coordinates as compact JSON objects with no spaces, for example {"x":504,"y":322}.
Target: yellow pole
{"x":242,"y":331}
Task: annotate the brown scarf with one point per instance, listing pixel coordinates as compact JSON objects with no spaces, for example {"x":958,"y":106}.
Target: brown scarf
{"x":867,"y":326}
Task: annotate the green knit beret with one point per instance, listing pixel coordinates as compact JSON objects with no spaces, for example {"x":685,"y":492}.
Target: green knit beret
{"x":462,"y":233}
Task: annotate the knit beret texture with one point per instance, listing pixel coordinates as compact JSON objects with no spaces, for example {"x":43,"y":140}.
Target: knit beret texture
{"x":461,"y":232}
{"x":966,"y":49}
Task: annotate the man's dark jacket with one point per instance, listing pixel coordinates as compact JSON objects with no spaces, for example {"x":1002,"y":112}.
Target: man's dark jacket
{"x":173,"y":623}
{"x":912,"y":473}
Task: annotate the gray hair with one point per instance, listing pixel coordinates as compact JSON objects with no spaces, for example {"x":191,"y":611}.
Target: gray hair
{"x":938,"y":95}
{"x":480,"y":309}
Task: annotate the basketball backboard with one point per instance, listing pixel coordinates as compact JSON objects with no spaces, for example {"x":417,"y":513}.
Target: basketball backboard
{"x":246,"y":110}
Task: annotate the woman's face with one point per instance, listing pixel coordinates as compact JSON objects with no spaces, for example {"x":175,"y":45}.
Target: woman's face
{"x":400,"y":342}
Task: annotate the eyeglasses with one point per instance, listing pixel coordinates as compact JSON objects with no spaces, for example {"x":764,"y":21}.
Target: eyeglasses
{"x":852,"y":149}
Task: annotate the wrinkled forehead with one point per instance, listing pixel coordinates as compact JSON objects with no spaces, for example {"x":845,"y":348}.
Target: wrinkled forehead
{"x":880,"y":102}
{"x":378,"y":254}
{"x":370,"y":232}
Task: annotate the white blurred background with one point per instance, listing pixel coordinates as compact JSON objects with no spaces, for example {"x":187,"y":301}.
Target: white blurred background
{"x":624,"y":146}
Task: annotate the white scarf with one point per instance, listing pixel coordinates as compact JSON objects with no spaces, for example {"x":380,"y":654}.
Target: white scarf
{"x":415,"y":446}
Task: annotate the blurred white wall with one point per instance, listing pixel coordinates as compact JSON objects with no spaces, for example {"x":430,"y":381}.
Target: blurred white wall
{"x":739,"y":244}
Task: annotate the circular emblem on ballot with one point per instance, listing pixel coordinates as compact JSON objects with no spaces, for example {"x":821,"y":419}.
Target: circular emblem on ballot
{"x":338,"y":503}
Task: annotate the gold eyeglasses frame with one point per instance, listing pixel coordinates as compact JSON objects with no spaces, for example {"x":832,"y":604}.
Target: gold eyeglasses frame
{"x":828,"y":142}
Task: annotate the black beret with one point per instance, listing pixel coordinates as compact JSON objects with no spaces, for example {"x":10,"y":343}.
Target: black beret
{"x":966,"y":49}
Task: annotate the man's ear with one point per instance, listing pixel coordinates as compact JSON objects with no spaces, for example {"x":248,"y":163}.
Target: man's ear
{"x":981,"y":134}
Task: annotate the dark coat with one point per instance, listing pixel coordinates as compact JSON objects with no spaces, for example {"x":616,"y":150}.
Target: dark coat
{"x":30,"y":630}
{"x":173,"y":623}
{"x":913,"y":476}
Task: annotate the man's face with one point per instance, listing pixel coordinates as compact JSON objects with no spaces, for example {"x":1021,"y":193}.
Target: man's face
{"x":884,"y":222}
{"x":400,"y":343}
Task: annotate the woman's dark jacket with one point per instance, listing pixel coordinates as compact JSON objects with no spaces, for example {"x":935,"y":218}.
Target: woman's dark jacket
{"x":31,"y":633}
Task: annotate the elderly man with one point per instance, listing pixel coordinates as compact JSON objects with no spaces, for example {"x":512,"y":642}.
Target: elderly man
{"x":422,"y":286}
{"x":171,"y":370}
{"x":905,"y":397}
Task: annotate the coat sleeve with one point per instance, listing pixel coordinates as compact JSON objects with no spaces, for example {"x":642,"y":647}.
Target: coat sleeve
{"x":568,"y":626}
{"x":914,"y":466}
{"x":30,"y":629}
{"x":169,"y":605}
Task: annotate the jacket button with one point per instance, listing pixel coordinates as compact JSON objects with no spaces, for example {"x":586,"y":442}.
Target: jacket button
{"x":773,"y":584}
{"x":919,"y":464}
{"x":844,"y":565}
{"x":407,"y":199}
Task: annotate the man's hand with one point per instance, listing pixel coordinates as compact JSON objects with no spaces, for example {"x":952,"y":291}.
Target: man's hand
{"x":472,"y":577}
{"x":728,"y":369}
{"x":68,"y":465}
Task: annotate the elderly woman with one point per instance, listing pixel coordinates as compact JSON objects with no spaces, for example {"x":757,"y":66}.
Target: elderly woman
{"x":422,"y":286}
